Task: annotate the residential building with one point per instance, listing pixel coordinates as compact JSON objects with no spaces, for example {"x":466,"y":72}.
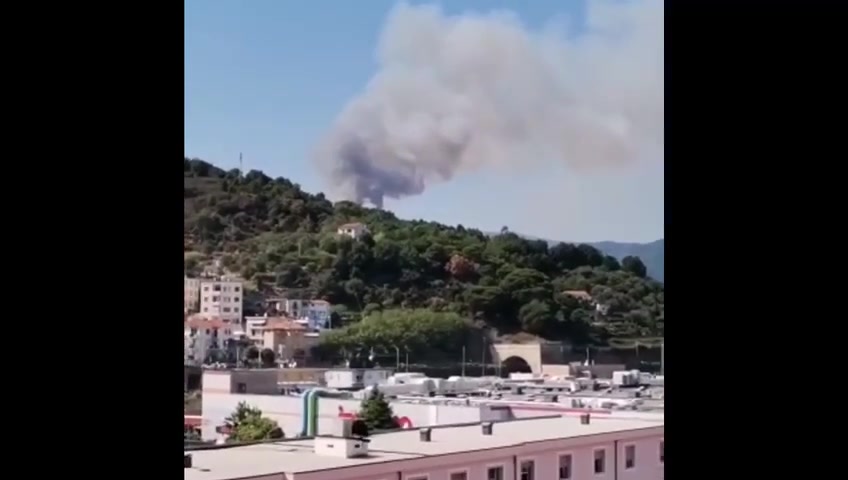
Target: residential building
{"x":564,"y":448}
{"x":191,"y":294}
{"x":289,"y":339}
{"x":221,"y":299}
{"x":313,"y":314}
{"x":202,"y":334}
{"x":353,"y":230}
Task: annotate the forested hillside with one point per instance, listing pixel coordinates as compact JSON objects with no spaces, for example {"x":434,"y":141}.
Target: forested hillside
{"x":275,"y":234}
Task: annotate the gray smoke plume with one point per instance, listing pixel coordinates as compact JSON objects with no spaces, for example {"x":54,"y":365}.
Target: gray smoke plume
{"x":456,"y":94}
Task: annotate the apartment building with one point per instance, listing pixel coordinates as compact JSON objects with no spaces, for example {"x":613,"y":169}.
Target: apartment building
{"x":313,"y":314}
{"x":558,"y":448}
{"x":287,"y":338}
{"x":204,"y":334}
{"x":191,"y":294}
{"x":222,"y":299}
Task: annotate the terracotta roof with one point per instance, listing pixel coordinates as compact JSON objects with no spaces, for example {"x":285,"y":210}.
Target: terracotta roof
{"x":581,"y":294}
{"x":352,"y":225}
{"x":200,"y":322}
{"x":282,"y":323}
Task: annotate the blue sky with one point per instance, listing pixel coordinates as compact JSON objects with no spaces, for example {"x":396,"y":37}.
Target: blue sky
{"x":267,"y":78}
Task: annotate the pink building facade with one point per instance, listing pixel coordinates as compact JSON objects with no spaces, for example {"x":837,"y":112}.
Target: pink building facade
{"x":527,"y":462}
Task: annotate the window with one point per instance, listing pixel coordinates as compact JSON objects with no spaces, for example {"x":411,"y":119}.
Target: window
{"x":565,"y":467}
{"x":194,"y":331}
{"x":662,"y":451}
{"x":528,"y":470}
{"x":206,"y":288}
{"x":226,"y":309}
{"x":205,"y":309}
{"x":207,"y":331}
{"x":216,"y":298}
{"x":205,"y":299}
{"x":236,"y":289}
{"x":241,"y":388}
{"x":459,"y":476}
{"x":495,"y":473}
{"x":629,"y":456}
{"x":600,"y":461}
{"x":217,"y":288}
{"x":235,"y":309}
{"x":416,"y":478}
{"x":235,"y":299}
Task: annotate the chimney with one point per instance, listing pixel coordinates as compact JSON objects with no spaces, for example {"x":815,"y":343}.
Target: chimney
{"x":187,"y":461}
{"x":425,"y":434}
{"x":585,"y":418}
{"x":487,"y":428}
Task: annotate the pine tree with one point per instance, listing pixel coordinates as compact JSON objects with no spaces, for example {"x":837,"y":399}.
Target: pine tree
{"x":248,"y":425}
{"x":376,"y":412}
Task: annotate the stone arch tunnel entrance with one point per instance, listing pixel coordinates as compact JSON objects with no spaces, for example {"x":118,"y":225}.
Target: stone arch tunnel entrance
{"x":515,"y":364}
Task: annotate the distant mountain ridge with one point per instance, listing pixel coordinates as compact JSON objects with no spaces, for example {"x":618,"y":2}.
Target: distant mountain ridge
{"x":652,"y":254}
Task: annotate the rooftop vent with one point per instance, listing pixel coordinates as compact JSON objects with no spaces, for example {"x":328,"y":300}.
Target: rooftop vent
{"x":187,"y":461}
{"x":487,"y":428}
{"x":425,"y":434}
{"x":585,"y":419}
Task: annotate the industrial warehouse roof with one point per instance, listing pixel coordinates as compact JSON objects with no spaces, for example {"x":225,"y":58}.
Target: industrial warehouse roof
{"x":297,"y":456}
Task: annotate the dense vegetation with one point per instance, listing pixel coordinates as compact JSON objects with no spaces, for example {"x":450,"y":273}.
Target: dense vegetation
{"x":246,"y":424}
{"x":376,"y":412}
{"x":280,"y":237}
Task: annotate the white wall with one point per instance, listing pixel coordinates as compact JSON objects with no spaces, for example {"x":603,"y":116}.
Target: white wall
{"x":287,"y":411}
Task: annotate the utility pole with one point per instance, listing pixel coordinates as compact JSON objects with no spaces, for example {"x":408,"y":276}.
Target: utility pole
{"x":483,"y":374}
{"x":662,"y":357}
{"x":463,"y":361}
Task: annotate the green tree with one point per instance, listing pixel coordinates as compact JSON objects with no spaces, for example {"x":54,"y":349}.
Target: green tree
{"x":536,"y":317}
{"x":246,"y":424}
{"x":376,"y":412}
{"x":268,"y":358}
{"x":252,"y":353}
{"x":634,"y":265}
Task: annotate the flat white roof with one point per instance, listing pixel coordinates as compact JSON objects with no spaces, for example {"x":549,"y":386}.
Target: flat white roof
{"x":272,"y":458}
{"x":297,"y":456}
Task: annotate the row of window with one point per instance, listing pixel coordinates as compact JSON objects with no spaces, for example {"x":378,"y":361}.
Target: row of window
{"x":213,"y":331}
{"x":599,"y":463}
{"x":217,"y":288}
{"x":527,"y":468}
{"x":218,"y":299}
{"x":223,"y":309}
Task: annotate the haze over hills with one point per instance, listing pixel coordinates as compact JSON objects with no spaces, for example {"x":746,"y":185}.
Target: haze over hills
{"x":652,"y":254}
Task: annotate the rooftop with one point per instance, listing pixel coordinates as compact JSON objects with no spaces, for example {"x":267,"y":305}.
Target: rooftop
{"x":297,"y":456}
